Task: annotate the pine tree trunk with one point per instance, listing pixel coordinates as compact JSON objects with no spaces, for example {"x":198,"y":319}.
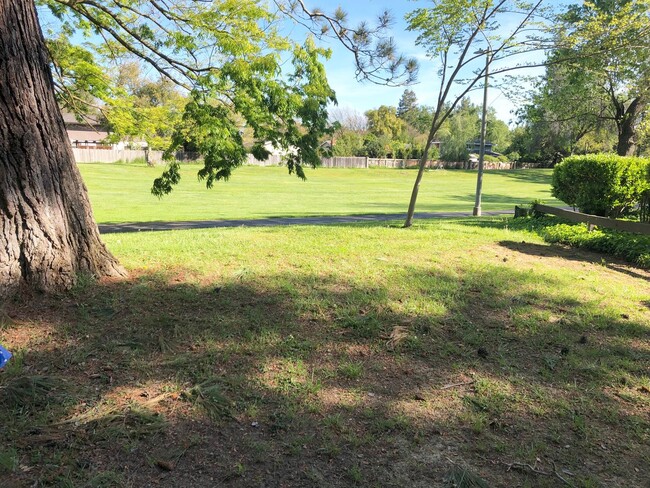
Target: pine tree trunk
{"x":47,"y":232}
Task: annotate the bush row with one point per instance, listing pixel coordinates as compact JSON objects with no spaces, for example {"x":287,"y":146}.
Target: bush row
{"x":602,"y":184}
{"x":631,"y":247}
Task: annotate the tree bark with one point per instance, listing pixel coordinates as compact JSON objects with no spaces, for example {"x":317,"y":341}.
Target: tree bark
{"x":626,"y":124}
{"x":48,"y":235}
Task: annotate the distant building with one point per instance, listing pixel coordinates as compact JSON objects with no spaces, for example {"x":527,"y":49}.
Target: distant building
{"x":89,"y":133}
{"x":475,"y":147}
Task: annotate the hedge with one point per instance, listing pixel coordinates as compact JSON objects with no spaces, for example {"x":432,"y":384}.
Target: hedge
{"x":602,"y":184}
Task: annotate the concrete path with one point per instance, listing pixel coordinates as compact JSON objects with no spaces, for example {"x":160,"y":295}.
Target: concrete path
{"x":277,"y":221}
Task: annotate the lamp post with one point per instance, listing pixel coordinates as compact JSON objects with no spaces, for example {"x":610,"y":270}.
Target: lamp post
{"x":481,"y":155}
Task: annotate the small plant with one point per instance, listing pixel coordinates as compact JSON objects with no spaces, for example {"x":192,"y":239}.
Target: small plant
{"x":351,"y":371}
{"x":107,"y":479}
{"x":209,"y":395}
{"x":536,"y":214}
{"x":129,"y":423}
{"x":8,"y":461}
{"x":26,"y":391}
{"x":459,"y":477}
{"x":334,"y":421}
{"x":355,"y":475}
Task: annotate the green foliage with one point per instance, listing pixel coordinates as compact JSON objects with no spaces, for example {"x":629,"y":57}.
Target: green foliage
{"x":497,"y":132}
{"x":496,"y":159}
{"x":601,"y":184}
{"x":79,"y":79}
{"x":26,"y":392}
{"x":227,"y":55}
{"x":634,"y":248}
{"x":407,"y":104}
{"x":375,"y":147}
{"x":348,"y":143}
{"x":8,"y":460}
{"x":209,"y":395}
{"x":599,"y":73}
{"x":384,"y":122}
{"x":460,"y":477}
{"x":144,"y":110}
{"x":420,"y":118}
{"x":462,"y":127}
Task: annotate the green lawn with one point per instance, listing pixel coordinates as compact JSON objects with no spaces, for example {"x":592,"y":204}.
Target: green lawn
{"x":342,"y":355}
{"x":121,"y":193}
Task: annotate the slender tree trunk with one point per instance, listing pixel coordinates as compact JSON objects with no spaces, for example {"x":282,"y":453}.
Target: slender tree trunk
{"x":416,"y":186}
{"x":47,"y":231}
{"x":421,"y":166}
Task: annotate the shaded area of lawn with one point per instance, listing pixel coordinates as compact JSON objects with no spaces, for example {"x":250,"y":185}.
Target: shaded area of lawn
{"x":376,"y":368}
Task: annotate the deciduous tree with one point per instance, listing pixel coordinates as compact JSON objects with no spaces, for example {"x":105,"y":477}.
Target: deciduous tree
{"x":603,"y":53}
{"x":458,"y":33}
{"x":227,"y":55}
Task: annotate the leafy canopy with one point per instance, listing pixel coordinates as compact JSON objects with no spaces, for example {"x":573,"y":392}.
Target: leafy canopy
{"x":228,"y":56}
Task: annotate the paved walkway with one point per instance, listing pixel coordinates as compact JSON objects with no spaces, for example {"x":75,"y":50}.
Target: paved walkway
{"x":277,"y":221}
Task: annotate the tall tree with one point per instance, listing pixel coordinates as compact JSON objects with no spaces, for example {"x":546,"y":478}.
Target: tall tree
{"x":562,"y":113}
{"x":384,"y":122}
{"x":604,"y":51}
{"x":407,"y":103}
{"x":144,"y":110}
{"x":459,"y":33}
{"x":226,"y":53}
{"x":46,"y":225}
{"x":462,"y":126}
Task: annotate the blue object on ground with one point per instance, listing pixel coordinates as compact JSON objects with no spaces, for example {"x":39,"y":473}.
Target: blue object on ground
{"x":4,"y":356}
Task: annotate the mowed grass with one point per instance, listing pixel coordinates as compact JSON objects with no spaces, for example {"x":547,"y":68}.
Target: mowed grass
{"x":121,"y":193}
{"x":347,"y":355}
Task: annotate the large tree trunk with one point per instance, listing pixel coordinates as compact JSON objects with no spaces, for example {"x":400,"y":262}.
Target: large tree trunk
{"x":47,"y":232}
{"x":626,"y":125}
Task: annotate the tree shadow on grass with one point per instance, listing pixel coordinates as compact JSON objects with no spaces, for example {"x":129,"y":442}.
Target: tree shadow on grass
{"x":565,"y":252}
{"x":498,"y":201}
{"x":311,"y":379}
{"x":528,"y":176}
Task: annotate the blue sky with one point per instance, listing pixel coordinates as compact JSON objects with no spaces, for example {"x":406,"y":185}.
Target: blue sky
{"x":364,"y":96}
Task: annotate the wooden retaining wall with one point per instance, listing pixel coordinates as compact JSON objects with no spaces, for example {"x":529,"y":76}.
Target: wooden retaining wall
{"x":593,"y":220}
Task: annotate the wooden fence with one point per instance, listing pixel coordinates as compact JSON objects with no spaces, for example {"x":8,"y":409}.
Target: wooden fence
{"x":351,"y":162}
{"x":86,"y":155}
{"x":593,"y":220}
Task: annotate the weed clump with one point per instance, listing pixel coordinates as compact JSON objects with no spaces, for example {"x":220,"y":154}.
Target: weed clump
{"x":26,"y":391}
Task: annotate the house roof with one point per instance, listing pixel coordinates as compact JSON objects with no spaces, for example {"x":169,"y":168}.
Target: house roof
{"x":86,"y":120}
{"x":87,"y":135}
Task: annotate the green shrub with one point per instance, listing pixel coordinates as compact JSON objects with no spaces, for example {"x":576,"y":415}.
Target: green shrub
{"x":631,"y":247}
{"x":601,"y":184}
{"x":513,"y":156}
{"x":501,"y":158}
{"x":644,"y":205}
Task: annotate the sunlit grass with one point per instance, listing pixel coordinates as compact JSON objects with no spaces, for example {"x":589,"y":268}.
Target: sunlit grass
{"x":121,"y":193}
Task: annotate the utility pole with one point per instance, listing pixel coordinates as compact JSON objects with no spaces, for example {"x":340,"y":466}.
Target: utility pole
{"x":481,"y":155}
